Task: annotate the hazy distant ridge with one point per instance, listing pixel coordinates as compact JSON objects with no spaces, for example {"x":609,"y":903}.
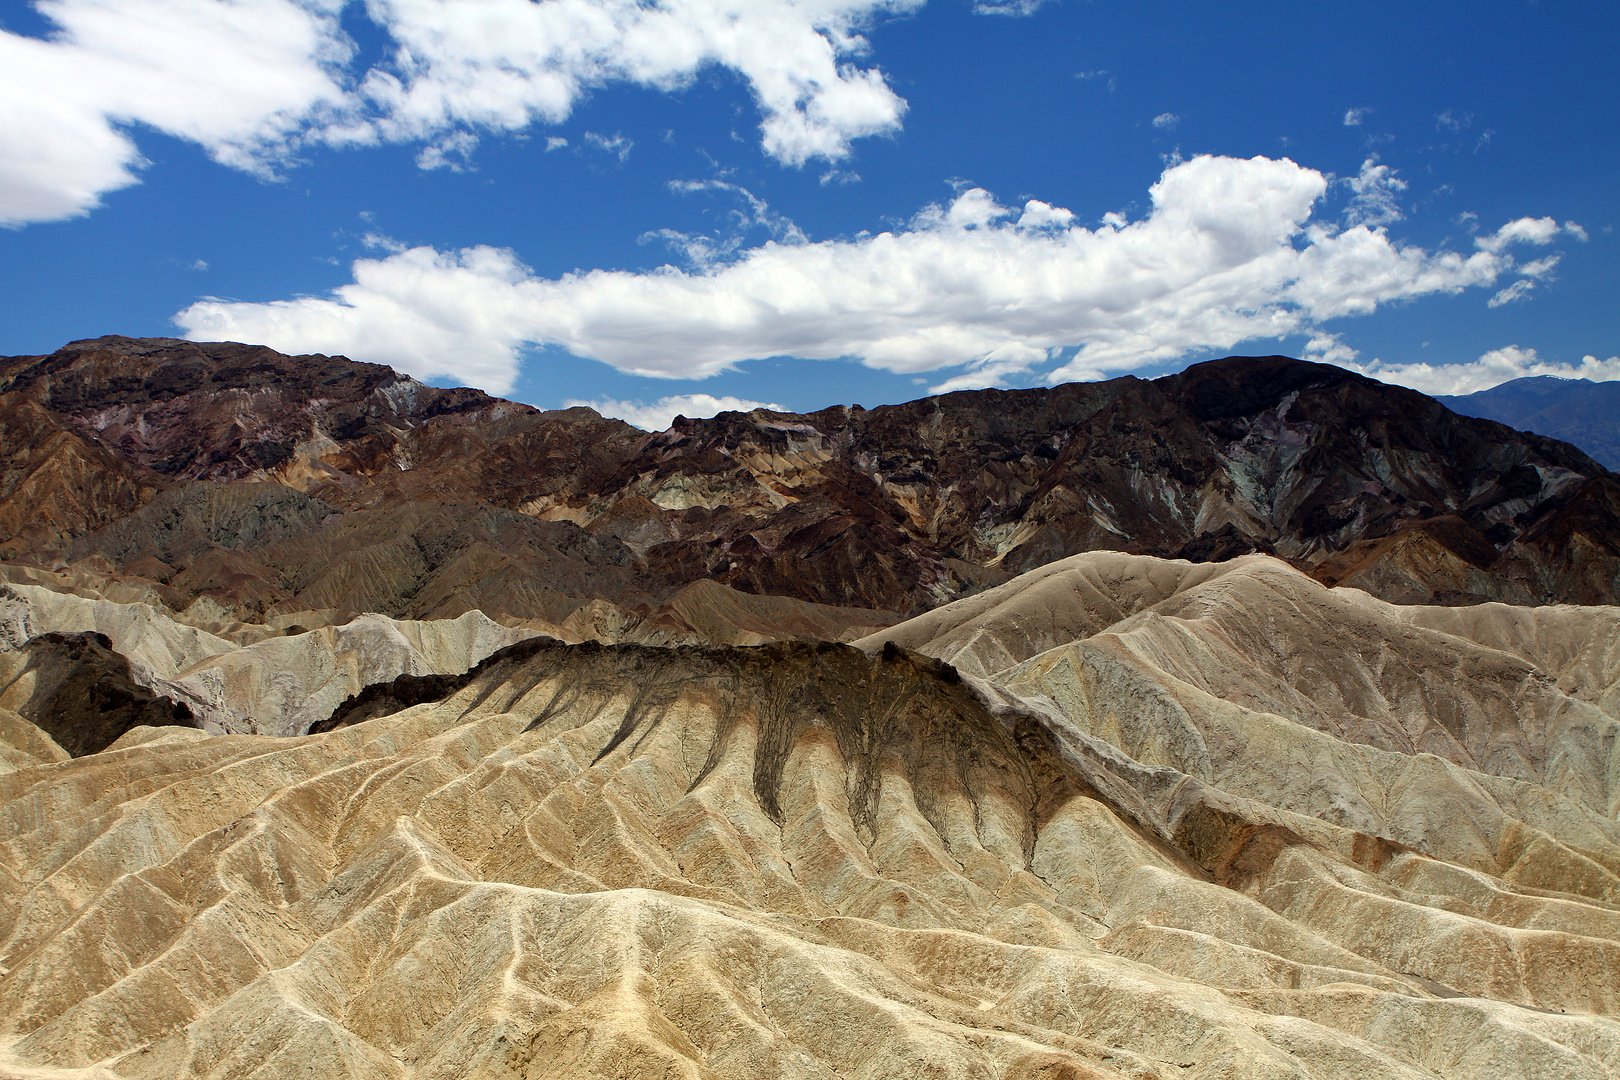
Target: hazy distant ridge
{"x":1577,"y":411}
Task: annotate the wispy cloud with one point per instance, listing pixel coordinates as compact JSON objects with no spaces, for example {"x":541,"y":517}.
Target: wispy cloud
{"x":1356,"y":117}
{"x":1375,"y":198}
{"x":1454,"y":120}
{"x":615,"y":145}
{"x":1015,"y":8}
{"x":1166,"y":121}
{"x":1100,"y":75}
{"x":1230,"y":250}
{"x":1519,"y":290}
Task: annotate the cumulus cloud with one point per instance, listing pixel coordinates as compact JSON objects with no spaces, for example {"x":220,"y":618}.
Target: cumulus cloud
{"x":1326,"y":348}
{"x":662,"y":413}
{"x":1166,"y":121}
{"x":239,"y":77}
{"x":1356,"y":117}
{"x":1491,"y":369}
{"x":1229,"y":251}
{"x":253,"y":81}
{"x":501,"y":65}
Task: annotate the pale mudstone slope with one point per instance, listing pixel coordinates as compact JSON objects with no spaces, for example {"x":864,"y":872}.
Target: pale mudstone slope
{"x":279,"y":678}
{"x":276,"y":684}
{"x":1194,"y":822}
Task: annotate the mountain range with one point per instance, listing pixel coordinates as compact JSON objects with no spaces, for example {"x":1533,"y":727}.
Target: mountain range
{"x":1261,"y":720}
{"x":256,"y":485}
{"x":1577,"y":411}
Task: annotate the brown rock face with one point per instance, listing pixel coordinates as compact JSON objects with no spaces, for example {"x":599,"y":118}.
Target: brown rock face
{"x":77,"y":690}
{"x":273,"y":484}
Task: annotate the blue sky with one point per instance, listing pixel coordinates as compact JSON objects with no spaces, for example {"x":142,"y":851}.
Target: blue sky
{"x":694,"y":203}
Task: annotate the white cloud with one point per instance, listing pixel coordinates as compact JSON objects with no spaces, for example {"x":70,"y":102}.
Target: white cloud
{"x":502,"y":65}
{"x":1492,"y":369}
{"x":1519,"y":290}
{"x":1166,"y":121}
{"x":452,"y":150}
{"x":662,"y":413}
{"x":1229,"y":251}
{"x":1375,"y":194}
{"x":377,"y":241}
{"x":1541,"y":268}
{"x":459,"y":315}
{"x":1528,"y":231}
{"x":1015,"y":8}
{"x":616,"y":144}
{"x":253,"y":81}
{"x":1356,"y":117}
{"x":239,"y":77}
{"x":1327,"y":348}
{"x":1039,"y":215}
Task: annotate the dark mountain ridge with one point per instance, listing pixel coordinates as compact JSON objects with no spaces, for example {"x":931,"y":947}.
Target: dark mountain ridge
{"x":273,"y":484}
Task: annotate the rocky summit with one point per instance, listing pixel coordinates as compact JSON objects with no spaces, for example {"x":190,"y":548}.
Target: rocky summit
{"x":1259,"y":721}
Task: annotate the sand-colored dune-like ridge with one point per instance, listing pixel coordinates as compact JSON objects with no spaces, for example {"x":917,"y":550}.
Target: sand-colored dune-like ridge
{"x":1152,"y":819}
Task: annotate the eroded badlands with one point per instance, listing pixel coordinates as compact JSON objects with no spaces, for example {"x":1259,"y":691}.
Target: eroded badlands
{"x":1140,"y":818}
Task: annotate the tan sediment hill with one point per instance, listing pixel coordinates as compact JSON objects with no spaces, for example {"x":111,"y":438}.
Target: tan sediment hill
{"x":279,"y":683}
{"x":280,"y":676}
{"x":1175,"y":820}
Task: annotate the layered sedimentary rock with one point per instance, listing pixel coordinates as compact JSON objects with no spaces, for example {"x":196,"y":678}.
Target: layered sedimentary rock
{"x":1134,"y":818}
{"x":266,"y":485}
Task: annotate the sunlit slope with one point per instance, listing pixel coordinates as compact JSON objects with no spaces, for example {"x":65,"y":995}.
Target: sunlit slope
{"x":1184,"y":821}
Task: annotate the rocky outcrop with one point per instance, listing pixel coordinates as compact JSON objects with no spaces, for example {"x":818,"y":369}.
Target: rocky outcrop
{"x":79,"y":691}
{"x":274,"y":682}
